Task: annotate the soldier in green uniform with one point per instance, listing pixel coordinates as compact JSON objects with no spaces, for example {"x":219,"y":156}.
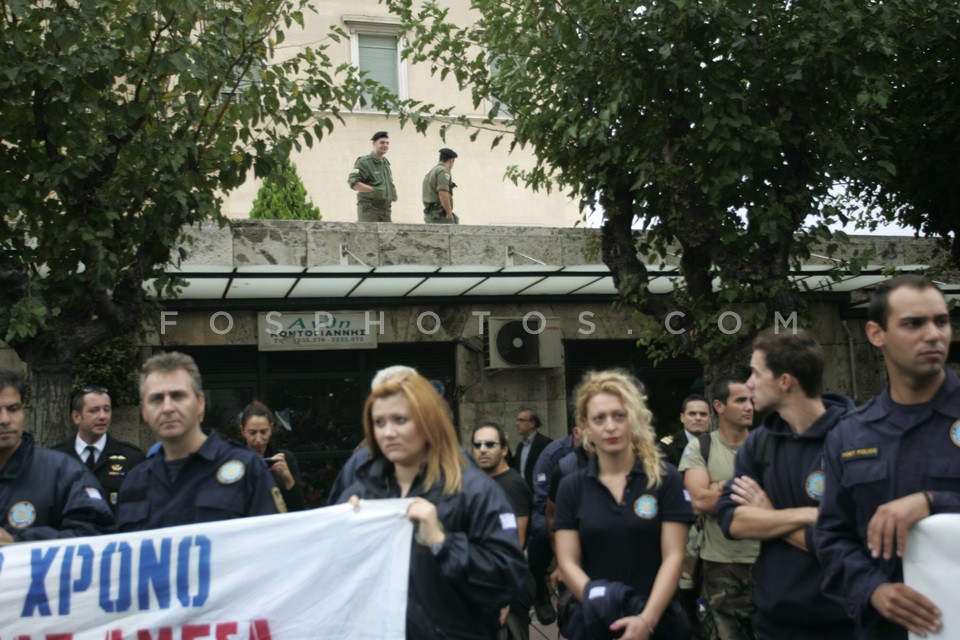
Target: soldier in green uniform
{"x":372,"y":180}
{"x":438,"y":191}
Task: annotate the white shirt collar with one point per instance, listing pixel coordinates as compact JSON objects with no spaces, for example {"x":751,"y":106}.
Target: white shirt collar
{"x":81,"y":446}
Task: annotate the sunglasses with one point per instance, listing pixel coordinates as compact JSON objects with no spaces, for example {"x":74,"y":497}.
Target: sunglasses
{"x":90,"y":388}
{"x":489,"y":444}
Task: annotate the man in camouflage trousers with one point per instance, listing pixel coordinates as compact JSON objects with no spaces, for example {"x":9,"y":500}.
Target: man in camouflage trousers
{"x":726,"y":565}
{"x":372,"y":179}
{"x":438,"y":188}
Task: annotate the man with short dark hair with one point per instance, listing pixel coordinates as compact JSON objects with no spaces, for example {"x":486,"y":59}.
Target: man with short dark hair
{"x":490,"y":448}
{"x":108,"y":458}
{"x":43,"y":494}
{"x":695,"y":418}
{"x":531,"y":446}
{"x":195,"y":476}
{"x":778,"y":484}
{"x":438,"y":188}
{"x":372,"y":179}
{"x":891,"y":463}
{"x":727,"y":586}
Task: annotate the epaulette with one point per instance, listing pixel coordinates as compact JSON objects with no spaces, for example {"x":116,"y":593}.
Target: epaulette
{"x":667,"y":439}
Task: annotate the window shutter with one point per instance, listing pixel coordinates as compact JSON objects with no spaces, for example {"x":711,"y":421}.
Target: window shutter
{"x":378,"y":58}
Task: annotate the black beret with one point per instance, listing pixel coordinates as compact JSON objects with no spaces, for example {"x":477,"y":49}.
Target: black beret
{"x":380,"y":134}
{"x":446,"y":154}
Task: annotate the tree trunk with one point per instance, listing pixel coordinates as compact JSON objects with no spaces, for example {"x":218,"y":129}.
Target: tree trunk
{"x":49,"y":402}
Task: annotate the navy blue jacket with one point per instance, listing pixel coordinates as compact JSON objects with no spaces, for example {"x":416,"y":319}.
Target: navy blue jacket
{"x":548,"y":459}
{"x":45,"y":494}
{"x":787,"y":580}
{"x":459,"y":592}
{"x":116,"y":460}
{"x":221,"y":481}
{"x":879,"y":453}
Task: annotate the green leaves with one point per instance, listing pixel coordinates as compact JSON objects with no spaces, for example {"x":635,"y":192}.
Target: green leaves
{"x":123,"y":122}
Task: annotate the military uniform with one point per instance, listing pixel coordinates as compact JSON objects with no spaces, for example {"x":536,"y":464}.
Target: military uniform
{"x":220,"y":481}
{"x":373,"y":206}
{"x":438,"y":179}
{"x":881,"y":452}
{"x":114,"y":463}
{"x":46,"y":495}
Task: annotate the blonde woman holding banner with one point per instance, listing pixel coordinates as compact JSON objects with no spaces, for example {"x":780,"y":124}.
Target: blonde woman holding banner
{"x":466,"y":563}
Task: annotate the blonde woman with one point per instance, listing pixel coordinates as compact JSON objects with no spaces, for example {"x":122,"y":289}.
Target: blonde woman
{"x":466,"y":563}
{"x":621,"y":523}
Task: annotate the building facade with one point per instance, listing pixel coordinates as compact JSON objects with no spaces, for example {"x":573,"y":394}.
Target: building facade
{"x":483,"y":194}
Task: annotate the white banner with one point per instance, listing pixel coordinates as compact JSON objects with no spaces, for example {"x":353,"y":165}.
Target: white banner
{"x":931,"y":565}
{"x":314,"y":575}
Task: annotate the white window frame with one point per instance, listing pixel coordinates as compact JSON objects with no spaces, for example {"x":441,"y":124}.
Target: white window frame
{"x":378,"y":26}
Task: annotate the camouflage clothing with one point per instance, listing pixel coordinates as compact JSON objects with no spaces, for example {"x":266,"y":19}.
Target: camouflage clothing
{"x":728,"y":596}
{"x":438,"y":179}
{"x":375,"y":205}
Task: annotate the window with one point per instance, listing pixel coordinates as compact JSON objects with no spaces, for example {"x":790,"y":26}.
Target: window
{"x":376,"y":44}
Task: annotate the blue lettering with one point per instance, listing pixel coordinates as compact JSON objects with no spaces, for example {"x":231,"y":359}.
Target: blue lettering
{"x":156,"y":572}
{"x":85,"y":553}
{"x":122,"y":602}
{"x":203,"y":571}
{"x":37,"y":594}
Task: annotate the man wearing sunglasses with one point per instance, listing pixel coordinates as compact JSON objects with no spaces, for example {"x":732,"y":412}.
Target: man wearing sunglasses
{"x":490,"y":451}
{"x":108,"y":458}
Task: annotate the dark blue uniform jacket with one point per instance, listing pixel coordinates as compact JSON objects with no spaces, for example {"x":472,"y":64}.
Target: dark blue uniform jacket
{"x":878,"y":453}
{"x":459,"y":592}
{"x":787,"y":591}
{"x":45,"y":494}
{"x":548,"y":459}
{"x":221,"y":481}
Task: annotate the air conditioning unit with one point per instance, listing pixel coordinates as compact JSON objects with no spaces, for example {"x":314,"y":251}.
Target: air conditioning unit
{"x":512,"y":343}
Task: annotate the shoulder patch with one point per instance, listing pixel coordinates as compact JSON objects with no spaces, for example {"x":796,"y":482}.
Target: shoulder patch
{"x":231,"y":472}
{"x":508,"y":521}
{"x":22,"y":515}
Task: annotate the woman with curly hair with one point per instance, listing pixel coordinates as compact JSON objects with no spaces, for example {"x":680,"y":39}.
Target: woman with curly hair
{"x":621,"y":523}
{"x":466,"y":563}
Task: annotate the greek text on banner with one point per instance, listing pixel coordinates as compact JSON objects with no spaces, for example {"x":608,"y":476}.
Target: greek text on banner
{"x":314,"y":575}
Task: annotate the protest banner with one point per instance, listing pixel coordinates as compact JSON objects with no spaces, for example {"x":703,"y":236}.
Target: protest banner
{"x":314,"y":575}
{"x":931,"y":566}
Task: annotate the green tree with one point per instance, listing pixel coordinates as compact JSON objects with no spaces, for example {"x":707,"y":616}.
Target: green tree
{"x":282,"y":196}
{"x":718,"y":126}
{"x":121,"y":123}
{"x":917,"y":133}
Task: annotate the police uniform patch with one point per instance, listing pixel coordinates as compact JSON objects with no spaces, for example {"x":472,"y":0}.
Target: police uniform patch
{"x":92,"y":493}
{"x":860,"y":454}
{"x":230,"y":472}
{"x":277,"y":498}
{"x":814,"y":485}
{"x":22,"y":515}
{"x":646,"y":506}
{"x":955,"y":433}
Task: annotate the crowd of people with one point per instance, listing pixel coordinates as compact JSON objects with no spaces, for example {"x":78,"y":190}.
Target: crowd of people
{"x":793,"y":528}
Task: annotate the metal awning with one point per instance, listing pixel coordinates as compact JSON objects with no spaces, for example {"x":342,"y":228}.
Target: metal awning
{"x":291,"y":283}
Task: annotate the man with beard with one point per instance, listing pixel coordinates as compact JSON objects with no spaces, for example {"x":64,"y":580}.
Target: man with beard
{"x":490,"y":450}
